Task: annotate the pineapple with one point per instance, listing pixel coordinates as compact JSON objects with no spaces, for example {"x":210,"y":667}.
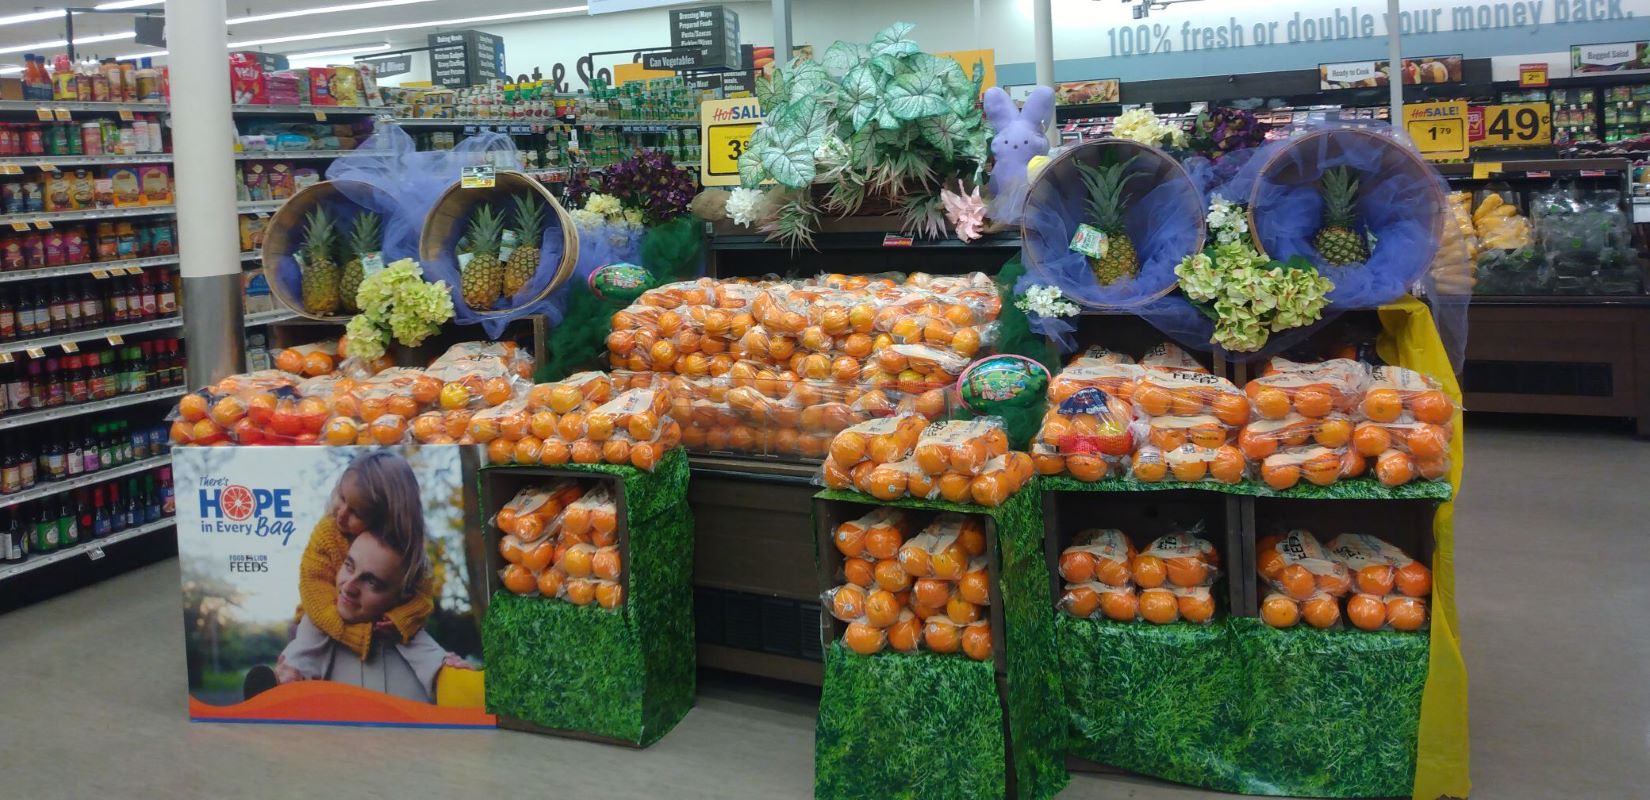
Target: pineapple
{"x":363,"y":239}
{"x":482,"y":279}
{"x":1336,"y":240}
{"x":320,"y":270}
{"x":1105,"y":209}
{"x":524,"y":260}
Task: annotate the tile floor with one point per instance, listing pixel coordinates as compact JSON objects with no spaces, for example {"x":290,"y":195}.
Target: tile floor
{"x":1553,"y":552}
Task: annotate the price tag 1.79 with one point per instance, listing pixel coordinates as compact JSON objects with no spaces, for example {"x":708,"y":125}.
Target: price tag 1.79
{"x":1438,"y":129}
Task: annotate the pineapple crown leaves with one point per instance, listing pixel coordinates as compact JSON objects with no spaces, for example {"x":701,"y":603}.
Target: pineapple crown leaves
{"x":319,"y":233}
{"x":366,"y":235}
{"x":529,"y":216}
{"x":485,"y":230}
{"x":1340,"y":196}
{"x":1105,"y":184}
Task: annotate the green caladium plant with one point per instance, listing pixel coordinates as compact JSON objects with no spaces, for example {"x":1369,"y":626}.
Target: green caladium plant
{"x":879,"y":119}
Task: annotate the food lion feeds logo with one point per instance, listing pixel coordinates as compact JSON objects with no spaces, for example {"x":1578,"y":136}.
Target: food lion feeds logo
{"x":233,"y":508}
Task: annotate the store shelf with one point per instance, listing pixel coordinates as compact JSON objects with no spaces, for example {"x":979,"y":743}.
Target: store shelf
{"x":31,"y":106}
{"x":269,"y":317}
{"x":84,"y":269}
{"x":42,"y":342}
{"x":83,"y":161}
{"x":282,"y":155}
{"x":45,"y":489}
{"x":93,"y":548}
{"x":327,"y":110}
{"x":64,"y":412}
{"x":91,"y":213}
{"x":257,"y":206}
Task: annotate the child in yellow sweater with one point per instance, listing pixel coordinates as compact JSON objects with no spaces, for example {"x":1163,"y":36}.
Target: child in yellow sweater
{"x":366,"y":498}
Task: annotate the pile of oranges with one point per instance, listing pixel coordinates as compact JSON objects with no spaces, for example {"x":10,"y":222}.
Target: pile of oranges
{"x":925,"y":592}
{"x":1190,"y":420}
{"x":780,"y":366}
{"x":327,"y":358}
{"x":579,"y":420}
{"x":1405,"y":424}
{"x":1309,"y":582}
{"x":962,"y":461}
{"x":560,"y":541}
{"x":432,"y":405}
{"x":1169,"y":581}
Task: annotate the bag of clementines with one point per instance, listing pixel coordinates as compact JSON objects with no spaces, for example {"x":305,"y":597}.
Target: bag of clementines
{"x":1305,"y":582}
{"x":1313,"y":391}
{"x":1391,"y":589}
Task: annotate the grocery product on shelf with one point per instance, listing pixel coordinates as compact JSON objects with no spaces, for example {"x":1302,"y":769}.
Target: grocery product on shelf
{"x":1391,"y":589}
{"x":929,"y":591}
{"x":1166,"y":582}
{"x":962,"y":461}
{"x":93,"y":374}
{"x":1086,"y":432}
{"x":1404,"y":424}
{"x":43,"y":455}
{"x":86,"y":514}
{"x":1190,"y":420}
{"x":1301,"y":581}
{"x":560,"y":541}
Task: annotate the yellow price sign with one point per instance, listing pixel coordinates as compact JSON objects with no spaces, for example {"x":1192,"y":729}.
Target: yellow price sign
{"x":1438,"y":129}
{"x":725,"y":128}
{"x":1517,"y":125}
{"x":61,"y":115}
{"x":126,"y":115}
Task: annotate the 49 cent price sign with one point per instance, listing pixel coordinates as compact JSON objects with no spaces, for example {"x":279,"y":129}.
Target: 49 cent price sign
{"x":725,"y":128}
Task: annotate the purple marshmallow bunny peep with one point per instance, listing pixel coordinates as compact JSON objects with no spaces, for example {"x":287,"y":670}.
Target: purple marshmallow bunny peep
{"x":1020,"y":136}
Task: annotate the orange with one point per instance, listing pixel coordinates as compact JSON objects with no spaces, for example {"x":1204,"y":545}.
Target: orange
{"x":1296,"y":581}
{"x":1333,"y":433}
{"x":1321,"y":612}
{"x":605,"y":563}
{"x":510,"y":548}
{"x":192,"y":407}
{"x":1366,"y":611}
{"x":850,"y":539}
{"x":616,"y":451}
{"x":454,"y":395}
{"x":1187,"y":572}
{"x":1280,"y":476}
{"x":1257,"y":445}
{"x":848,"y":602}
{"x":1313,"y":401}
{"x":499,"y":451}
{"x":290,"y":360}
{"x":1414,"y":579}
{"x":1352,"y":464}
{"x":536,"y":558}
{"x":976,"y":641}
{"x":578,"y":561}
{"x":931,"y":458}
{"x":931,"y":592}
{"x":1426,"y":442}
{"x":975,"y":587}
{"x":905,"y":634}
{"x":961,"y":611}
{"x":968,"y":457}
{"x":991,"y":489}
{"x":1082,"y":602}
{"x":1268,"y":561}
{"x":1279,"y":611}
{"x":949,"y":564}
{"x":915,"y":560}
{"x":1077,"y":566}
{"x":1197,"y":607}
{"x":1336,"y":583}
{"x":609,"y":595}
{"x":389,"y":429}
{"x":1323,"y":469}
{"x":1166,"y":438}
{"x":1382,"y":405}
{"x":1371,"y":440}
{"x":1149,"y":466}
{"x":554,"y":453}
{"x":1159,"y":606}
{"x":956,"y":487}
{"x":931,"y":404}
{"x":891,"y":576}
{"x":1207,"y":435}
{"x":1394,"y":468}
{"x":528,"y":450}
{"x":1232,"y":409}
{"x":941,"y":635}
{"x":550,"y":582}
{"x":1433,"y":468}
{"x":1085,"y":467}
{"x":972,"y":539}
{"x":427,"y":426}
{"x":1121,"y":606}
{"x":1186,"y":402}
{"x":881,"y":609}
{"x":1112,"y":572}
{"x":517,"y":579}
{"x":1155,"y":401}
{"x":181,"y":432}
{"x":1270,"y":402}
{"x":1189,"y":471}
{"x":1227,"y":465}
{"x":529,"y":527}
{"x":882,"y":542}
{"x":1405,"y":613}
{"x":864,"y":639}
{"x":317,"y":364}
{"x":1149,"y":571}
{"x":1375,"y":579}
{"x":580,"y":593}
{"x":1433,"y":407}
{"x":228,"y":411}
{"x":859,"y":572}
{"x":340,"y":431}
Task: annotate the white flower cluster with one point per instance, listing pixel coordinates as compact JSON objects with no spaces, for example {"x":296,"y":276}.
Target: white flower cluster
{"x":1144,"y":127}
{"x":742,"y":206}
{"x":1046,"y":301}
{"x":1227,"y":221}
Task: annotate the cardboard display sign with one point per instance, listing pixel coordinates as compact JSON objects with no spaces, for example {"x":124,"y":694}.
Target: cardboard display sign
{"x":331,"y":585}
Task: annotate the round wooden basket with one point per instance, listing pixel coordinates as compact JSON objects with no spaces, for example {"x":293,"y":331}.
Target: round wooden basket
{"x":284,"y":234}
{"x":444,"y":225}
{"x":1162,"y":168}
{"x":1282,"y":167}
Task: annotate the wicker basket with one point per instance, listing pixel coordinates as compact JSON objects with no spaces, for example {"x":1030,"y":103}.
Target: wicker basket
{"x":1280,"y":168}
{"x":444,"y":225}
{"x":285,"y":234}
{"x":1163,"y":169}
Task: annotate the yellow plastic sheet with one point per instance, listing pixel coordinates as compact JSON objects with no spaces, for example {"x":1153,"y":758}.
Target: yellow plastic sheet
{"x":1410,"y":339}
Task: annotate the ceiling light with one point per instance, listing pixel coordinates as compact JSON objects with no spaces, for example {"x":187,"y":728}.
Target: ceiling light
{"x":35,"y":16}
{"x":126,"y":4}
{"x":61,"y":43}
{"x":405,"y":26}
{"x":342,"y":51}
{"x":305,"y":12}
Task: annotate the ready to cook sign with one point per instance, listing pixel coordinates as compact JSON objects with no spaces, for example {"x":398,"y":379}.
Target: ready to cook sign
{"x":232,"y":508}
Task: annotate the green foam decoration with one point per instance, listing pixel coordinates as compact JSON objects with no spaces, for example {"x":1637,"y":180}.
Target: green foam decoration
{"x":1237,"y":706}
{"x":909,"y":694}
{"x":1346,"y":489}
{"x":626,"y":673}
{"x":1014,"y":336}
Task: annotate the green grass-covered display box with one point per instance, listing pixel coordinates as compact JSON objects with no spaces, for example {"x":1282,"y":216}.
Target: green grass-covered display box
{"x":931,"y":726}
{"x":624,"y":675}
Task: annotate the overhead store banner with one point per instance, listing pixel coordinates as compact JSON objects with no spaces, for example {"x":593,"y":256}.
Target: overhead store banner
{"x":290,"y":617}
{"x":1413,"y":71}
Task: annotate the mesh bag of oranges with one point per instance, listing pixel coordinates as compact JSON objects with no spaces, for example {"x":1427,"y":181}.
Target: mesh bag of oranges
{"x":1086,"y":431}
{"x":518,"y":361}
{"x":930,"y":595}
{"x":1390,"y":589}
{"x":1167,"y":582}
{"x":1301,"y":579}
{"x":1287,"y":450}
{"x":262,"y":407}
{"x":859,"y":449}
{"x":309,"y":360}
{"x":1313,"y":391}
{"x":561,"y":542}
{"x":1189,"y":420}
{"x":1405,"y":423}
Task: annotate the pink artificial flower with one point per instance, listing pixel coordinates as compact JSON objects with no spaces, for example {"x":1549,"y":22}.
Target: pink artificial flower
{"x":965,"y":212}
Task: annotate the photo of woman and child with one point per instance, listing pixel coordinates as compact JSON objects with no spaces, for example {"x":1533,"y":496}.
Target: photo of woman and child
{"x":365,"y":591}
{"x":381,"y":598}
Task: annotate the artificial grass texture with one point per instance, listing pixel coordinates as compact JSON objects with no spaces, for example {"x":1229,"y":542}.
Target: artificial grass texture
{"x":851,"y":701}
{"x":1237,"y":706}
{"x":627,"y":673}
{"x":1348,"y":489}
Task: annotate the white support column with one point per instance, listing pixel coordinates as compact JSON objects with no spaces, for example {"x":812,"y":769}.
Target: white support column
{"x":1395,"y":58}
{"x":202,"y":137}
{"x":1042,"y":21}
{"x":782,"y":32}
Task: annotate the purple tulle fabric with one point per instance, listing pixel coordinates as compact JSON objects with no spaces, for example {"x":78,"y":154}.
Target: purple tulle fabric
{"x":1164,"y":219}
{"x":598,"y":246}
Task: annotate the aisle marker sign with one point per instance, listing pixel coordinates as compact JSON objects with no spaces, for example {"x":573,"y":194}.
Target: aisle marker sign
{"x":1439,"y":129}
{"x":725,"y":128}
